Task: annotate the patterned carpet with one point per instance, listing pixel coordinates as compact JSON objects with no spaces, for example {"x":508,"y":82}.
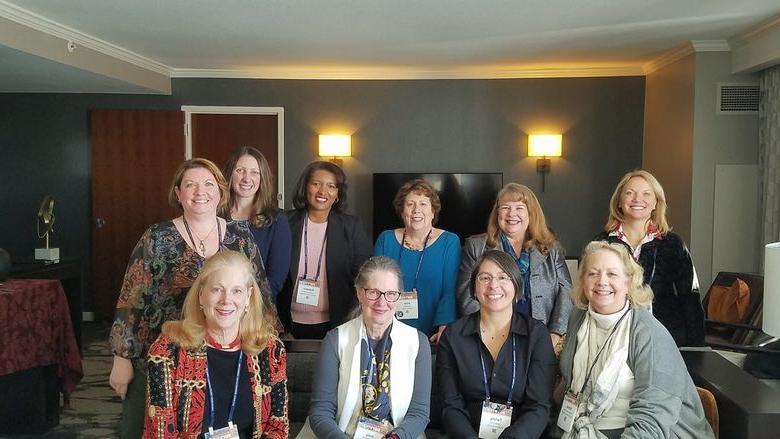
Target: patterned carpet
{"x":94,"y":410}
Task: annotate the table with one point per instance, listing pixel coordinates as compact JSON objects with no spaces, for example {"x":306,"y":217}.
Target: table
{"x":747,"y":407}
{"x":37,"y":344}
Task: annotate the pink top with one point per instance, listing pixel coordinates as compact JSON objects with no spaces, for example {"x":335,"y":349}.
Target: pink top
{"x":308,"y":314}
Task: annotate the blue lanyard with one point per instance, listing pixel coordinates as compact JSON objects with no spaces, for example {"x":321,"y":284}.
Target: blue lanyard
{"x":514,"y":372}
{"x":235,"y":391}
{"x":422,"y":254}
{"x":306,"y":250}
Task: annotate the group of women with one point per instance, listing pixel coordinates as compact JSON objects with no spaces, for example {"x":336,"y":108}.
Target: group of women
{"x":208,"y":295}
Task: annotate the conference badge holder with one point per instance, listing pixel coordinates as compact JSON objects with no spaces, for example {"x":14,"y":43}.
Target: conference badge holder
{"x":308,"y":292}
{"x":568,"y":411}
{"x":368,"y":428}
{"x":496,"y":417}
{"x":229,"y":432}
{"x":407,"y":307}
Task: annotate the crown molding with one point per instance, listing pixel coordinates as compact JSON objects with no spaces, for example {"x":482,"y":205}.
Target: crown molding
{"x":756,"y":32}
{"x":710,"y":45}
{"x":668,"y":57}
{"x":50,"y":27}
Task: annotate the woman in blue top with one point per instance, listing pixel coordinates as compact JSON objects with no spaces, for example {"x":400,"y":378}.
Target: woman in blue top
{"x":429,"y":259}
{"x":253,"y":198}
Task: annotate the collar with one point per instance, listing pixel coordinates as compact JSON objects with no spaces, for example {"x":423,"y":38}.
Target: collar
{"x":518,"y":326}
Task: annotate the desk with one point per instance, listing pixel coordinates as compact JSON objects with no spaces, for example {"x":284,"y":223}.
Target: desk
{"x":747,"y":407}
{"x":36,"y":336}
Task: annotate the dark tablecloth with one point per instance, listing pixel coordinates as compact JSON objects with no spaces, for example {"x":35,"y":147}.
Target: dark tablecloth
{"x":35,"y":330}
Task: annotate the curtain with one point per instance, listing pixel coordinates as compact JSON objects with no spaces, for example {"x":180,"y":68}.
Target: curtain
{"x":769,"y":154}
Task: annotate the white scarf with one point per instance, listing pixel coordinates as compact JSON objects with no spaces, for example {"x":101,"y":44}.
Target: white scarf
{"x":598,"y":398}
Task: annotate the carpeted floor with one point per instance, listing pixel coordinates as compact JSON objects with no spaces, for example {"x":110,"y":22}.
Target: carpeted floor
{"x":94,"y":410}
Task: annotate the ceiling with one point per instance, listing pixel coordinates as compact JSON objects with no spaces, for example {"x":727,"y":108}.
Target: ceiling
{"x":136,"y":46}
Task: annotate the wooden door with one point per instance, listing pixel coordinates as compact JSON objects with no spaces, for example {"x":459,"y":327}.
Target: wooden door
{"x":215,"y":136}
{"x":134,"y":156}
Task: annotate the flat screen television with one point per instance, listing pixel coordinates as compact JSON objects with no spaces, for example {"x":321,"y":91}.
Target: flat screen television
{"x":466,"y":200}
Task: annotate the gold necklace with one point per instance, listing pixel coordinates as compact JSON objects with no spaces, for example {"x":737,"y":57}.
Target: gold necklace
{"x":202,"y":245}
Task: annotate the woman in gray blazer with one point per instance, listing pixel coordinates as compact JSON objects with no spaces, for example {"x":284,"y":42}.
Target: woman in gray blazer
{"x":517,"y":226}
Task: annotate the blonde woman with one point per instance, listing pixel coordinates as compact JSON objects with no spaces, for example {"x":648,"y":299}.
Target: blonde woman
{"x":622,"y":372}
{"x":222,"y":369}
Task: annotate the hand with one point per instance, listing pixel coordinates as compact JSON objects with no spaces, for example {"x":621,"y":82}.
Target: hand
{"x":435,"y":337}
{"x":121,"y":375}
{"x":557,"y":342}
{"x":555,"y":338}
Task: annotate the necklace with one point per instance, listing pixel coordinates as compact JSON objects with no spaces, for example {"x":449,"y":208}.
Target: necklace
{"x":215,"y":343}
{"x":498,"y":336}
{"x":202,"y":245}
{"x":412,"y":245}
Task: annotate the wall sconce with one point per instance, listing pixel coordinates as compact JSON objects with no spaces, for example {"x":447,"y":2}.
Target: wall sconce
{"x":544,"y":146}
{"x":336,"y":145}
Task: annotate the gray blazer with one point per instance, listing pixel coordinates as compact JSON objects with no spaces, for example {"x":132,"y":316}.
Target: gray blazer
{"x":550,"y":283}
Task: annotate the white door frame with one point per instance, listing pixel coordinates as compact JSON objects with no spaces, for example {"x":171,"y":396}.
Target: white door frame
{"x":189,"y":110}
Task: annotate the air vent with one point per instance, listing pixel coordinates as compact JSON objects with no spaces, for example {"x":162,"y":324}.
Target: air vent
{"x":737,"y":98}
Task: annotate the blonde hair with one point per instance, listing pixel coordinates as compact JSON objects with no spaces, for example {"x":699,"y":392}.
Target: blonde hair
{"x":657,"y":217}
{"x":538,"y":234}
{"x":195,"y":163}
{"x":257,"y":325}
{"x":639,"y":294}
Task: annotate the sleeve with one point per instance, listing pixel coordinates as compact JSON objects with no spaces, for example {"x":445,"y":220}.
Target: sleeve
{"x":455,"y":418}
{"x":252,"y":252}
{"x":278,"y":264}
{"x":361,"y":249}
{"x":534,"y":412}
{"x":417,"y":416}
{"x":379,"y":245}
{"x":445,"y":309}
{"x":686,"y":285}
{"x":659,"y":377}
{"x":136,"y":288}
{"x":471,"y":252}
{"x":562,"y":302}
{"x":324,"y":392}
{"x":160,"y":411}
{"x":275,"y":419}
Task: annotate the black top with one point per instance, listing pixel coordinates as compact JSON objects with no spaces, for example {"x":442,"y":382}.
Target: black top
{"x":461,"y":385}
{"x":222,"y":373}
{"x":347,"y":248}
{"x":669,"y":272}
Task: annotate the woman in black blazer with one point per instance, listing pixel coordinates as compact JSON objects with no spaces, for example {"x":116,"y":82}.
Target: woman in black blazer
{"x":329,"y":246}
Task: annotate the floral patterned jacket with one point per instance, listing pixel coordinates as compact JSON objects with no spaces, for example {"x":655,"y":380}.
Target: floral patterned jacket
{"x":176,"y":397}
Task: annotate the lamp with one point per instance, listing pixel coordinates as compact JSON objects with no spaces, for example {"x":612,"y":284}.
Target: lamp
{"x":771,"y":319}
{"x":544,"y":146}
{"x":335,"y":145}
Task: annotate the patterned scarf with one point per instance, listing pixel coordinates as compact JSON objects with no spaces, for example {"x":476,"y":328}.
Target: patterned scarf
{"x":376,"y":388}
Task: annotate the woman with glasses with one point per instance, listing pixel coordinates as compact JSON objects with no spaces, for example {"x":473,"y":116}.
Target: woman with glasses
{"x":495,"y":366}
{"x":373,"y":377}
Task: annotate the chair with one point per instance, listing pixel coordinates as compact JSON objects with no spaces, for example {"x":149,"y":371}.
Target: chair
{"x":710,"y":409}
{"x":738,"y":332}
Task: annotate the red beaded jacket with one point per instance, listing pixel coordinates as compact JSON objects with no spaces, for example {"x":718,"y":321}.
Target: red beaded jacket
{"x":176,"y":397}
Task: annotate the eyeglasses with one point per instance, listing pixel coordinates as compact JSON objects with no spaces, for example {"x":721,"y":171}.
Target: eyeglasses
{"x":390,"y":296}
{"x":486,"y":279}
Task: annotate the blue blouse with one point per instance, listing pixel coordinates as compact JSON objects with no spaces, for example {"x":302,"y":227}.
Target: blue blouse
{"x":436,"y":281}
{"x":275,"y":244}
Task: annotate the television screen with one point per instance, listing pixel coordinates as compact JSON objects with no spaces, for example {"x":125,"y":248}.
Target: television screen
{"x":466,"y":200}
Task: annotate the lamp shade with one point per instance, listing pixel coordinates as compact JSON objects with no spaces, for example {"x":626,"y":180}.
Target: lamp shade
{"x":771,"y":317}
{"x":335,"y":145}
{"x":544,"y":145}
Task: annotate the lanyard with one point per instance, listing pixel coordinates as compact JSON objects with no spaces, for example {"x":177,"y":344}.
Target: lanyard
{"x":514,"y":372}
{"x":601,"y":349}
{"x":235,"y":391}
{"x":422,"y":254}
{"x":306,"y":250}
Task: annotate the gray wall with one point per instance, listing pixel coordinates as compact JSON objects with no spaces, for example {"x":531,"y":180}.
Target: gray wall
{"x":397,"y":126}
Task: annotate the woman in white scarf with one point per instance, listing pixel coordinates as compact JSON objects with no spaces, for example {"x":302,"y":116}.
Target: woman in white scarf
{"x":622,"y":373}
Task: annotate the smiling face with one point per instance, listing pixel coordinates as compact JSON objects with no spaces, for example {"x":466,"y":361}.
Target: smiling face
{"x":225,"y":298}
{"x":380,"y":311}
{"x":322,"y":190}
{"x":418,"y":212}
{"x":245,"y":180}
{"x":198,"y":192}
{"x":605,"y":282}
{"x":493,"y":288}
{"x":513,"y":218}
{"x":637,"y":200}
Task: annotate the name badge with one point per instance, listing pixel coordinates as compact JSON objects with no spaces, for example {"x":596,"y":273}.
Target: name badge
{"x":229,"y":432}
{"x":368,"y":428}
{"x":407,"y":308}
{"x":568,"y":411}
{"x":308,"y":292}
{"x":496,"y":417}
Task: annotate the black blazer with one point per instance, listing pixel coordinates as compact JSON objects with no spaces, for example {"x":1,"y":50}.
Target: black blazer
{"x":347,"y":248}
